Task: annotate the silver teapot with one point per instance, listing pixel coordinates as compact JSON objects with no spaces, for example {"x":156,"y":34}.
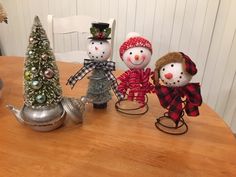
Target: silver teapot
{"x":40,"y":119}
{"x":50,"y":117}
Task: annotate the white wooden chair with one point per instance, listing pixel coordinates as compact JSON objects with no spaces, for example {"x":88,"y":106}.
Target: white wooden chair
{"x":74,"y":24}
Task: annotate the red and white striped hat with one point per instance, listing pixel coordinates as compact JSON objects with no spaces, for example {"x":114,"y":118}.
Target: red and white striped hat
{"x":135,"y":40}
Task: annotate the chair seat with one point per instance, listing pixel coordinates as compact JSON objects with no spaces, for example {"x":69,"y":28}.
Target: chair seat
{"x":72,"y":56}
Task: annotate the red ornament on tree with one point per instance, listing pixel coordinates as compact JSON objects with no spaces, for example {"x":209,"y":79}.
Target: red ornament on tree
{"x":48,"y":73}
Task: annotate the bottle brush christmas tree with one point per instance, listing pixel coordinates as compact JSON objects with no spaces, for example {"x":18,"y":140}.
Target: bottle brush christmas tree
{"x":41,"y":77}
{"x":99,"y":88}
{"x":42,"y":108}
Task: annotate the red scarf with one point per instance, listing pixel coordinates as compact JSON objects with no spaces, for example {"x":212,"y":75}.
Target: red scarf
{"x":135,"y":84}
{"x":170,"y":98}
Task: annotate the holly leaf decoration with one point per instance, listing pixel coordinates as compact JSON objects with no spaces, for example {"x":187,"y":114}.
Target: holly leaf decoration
{"x":107,"y":32}
{"x":94,"y":31}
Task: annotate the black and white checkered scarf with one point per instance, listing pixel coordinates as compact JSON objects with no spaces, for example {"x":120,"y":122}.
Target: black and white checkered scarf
{"x":89,"y":65}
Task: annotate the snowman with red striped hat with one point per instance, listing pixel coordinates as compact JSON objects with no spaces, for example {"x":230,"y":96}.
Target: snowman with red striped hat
{"x":136,"y":51}
{"x":134,"y":84}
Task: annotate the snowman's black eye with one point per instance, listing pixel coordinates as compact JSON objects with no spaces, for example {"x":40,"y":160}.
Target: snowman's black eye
{"x":177,"y":80}
{"x":163,"y":69}
{"x":172,"y":65}
{"x":103,"y":52}
{"x":101,"y":56}
{"x":141,"y":51}
{"x":92,"y":56}
{"x":92,"y":42}
{"x":101,"y":43}
{"x":181,"y":73}
{"x":89,"y":52}
{"x":130,"y":53}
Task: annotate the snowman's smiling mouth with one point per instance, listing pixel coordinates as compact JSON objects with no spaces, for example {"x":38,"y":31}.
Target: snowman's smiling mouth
{"x":137,"y":63}
{"x":173,"y":82}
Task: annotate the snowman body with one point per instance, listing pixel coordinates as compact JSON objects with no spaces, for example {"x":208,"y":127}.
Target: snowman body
{"x":99,"y":88}
{"x":134,"y":83}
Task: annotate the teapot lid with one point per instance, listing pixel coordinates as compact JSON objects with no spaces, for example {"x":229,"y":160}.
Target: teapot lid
{"x":74,"y":108}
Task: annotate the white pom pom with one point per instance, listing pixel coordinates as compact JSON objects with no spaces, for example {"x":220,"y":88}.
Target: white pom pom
{"x":132,"y":34}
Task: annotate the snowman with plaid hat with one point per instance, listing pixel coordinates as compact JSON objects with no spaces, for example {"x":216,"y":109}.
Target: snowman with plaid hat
{"x":172,"y":77}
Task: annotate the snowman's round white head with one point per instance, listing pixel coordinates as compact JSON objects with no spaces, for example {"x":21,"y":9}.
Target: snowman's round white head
{"x":175,"y":69}
{"x":136,"y":51}
{"x":99,"y":49}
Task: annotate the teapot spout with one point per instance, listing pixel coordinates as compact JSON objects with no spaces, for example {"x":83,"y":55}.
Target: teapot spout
{"x":16,"y":112}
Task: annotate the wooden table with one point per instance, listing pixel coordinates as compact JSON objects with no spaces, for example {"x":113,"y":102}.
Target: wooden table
{"x":109,"y":144}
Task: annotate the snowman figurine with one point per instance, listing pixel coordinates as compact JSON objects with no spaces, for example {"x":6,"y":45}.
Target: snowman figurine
{"x":175,"y":92}
{"x":101,"y":79}
{"x":136,"y":53}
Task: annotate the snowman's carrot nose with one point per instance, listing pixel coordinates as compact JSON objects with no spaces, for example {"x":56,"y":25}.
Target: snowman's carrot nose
{"x":136,"y":57}
{"x":96,"y":48}
{"x":168,"y":76}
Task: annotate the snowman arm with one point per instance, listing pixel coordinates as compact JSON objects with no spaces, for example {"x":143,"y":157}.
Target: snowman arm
{"x":124,"y":82}
{"x":122,"y":87}
{"x":149,"y":87}
{"x":114,"y":85}
{"x":79,"y":75}
{"x":125,"y":76}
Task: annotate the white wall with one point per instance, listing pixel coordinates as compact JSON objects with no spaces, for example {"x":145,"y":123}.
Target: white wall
{"x":203,"y":29}
{"x":219,"y":81}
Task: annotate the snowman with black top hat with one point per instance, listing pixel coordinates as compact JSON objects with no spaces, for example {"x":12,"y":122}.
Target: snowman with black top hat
{"x":101,"y":80}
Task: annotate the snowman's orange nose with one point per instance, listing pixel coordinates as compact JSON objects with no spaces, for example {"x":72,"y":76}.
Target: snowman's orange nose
{"x":96,"y":48}
{"x":136,"y":57}
{"x":168,"y":76}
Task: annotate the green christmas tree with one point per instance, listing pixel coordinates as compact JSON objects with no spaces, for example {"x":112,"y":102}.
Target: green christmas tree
{"x":99,"y":88}
{"x":41,"y":76}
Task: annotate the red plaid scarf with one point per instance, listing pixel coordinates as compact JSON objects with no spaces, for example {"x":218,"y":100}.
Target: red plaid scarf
{"x":170,"y":98}
{"x":135,"y":84}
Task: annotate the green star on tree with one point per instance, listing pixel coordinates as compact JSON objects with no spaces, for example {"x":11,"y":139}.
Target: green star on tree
{"x":41,"y":76}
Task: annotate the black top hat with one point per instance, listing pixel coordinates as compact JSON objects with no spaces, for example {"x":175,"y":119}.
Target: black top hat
{"x":100,"y":31}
